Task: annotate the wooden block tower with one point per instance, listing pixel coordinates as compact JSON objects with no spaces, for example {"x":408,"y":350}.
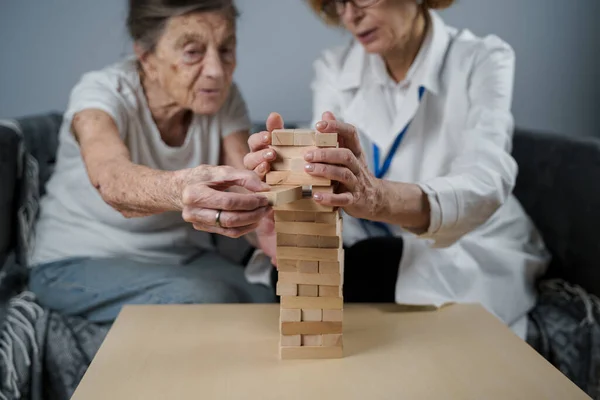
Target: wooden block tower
{"x":309,"y":251}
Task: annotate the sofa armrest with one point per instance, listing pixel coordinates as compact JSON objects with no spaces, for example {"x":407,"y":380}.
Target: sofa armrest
{"x":10,"y":141}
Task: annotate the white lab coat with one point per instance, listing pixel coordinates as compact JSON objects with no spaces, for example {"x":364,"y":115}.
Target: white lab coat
{"x":481,"y":247}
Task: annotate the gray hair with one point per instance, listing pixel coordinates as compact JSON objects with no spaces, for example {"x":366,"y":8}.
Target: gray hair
{"x":147,"y":19}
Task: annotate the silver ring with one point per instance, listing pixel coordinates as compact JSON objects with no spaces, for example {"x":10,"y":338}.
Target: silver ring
{"x":218,"y":219}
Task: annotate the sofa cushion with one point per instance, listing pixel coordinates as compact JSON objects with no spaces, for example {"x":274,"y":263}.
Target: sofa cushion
{"x":40,"y":135}
{"x":559,"y":187}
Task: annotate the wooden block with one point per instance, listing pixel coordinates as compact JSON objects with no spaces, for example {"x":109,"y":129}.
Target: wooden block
{"x":312,"y":303}
{"x":292,"y":151}
{"x":284,"y":239}
{"x":295,"y":216}
{"x":311,"y":315}
{"x":333,"y":315}
{"x":308,"y":290}
{"x":283,"y":194}
{"x":322,"y":189}
{"x":287,"y":265}
{"x":330,"y":242}
{"x":285,"y":216}
{"x":304,"y":205}
{"x":303,"y":216}
{"x":304,"y":137}
{"x":310,"y":352}
{"x":287,"y":289}
{"x":288,"y":164}
{"x":327,"y":218}
{"x":307,"y":241}
{"x":331,"y":339}
{"x":308,"y":267}
{"x":282,"y":137}
{"x":307,"y":228}
{"x":326,"y":139}
{"x":310,"y":328}
{"x":290,"y":315}
{"x":329,"y":291}
{"x":311,"y":340}
{"x":295,"y":178}
{"x":326,"y":280}
{"x":290,"y":340}
{"x":329,"y":267}
{"x":308,"y":254}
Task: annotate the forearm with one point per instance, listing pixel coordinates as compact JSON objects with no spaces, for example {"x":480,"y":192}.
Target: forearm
{"x":405,"y":205}
{"x":135,"y":190}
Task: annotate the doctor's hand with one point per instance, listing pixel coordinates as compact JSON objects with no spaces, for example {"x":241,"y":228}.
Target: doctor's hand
{"x":261,"y":155}
{"x":359,"y":192}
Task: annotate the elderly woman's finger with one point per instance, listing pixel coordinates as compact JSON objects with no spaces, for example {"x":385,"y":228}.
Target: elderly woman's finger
{"x":334,"y":199}
{"x":347,"y":135}
{"x":229,"y":232}
{"x":334,"y":173}
{"x":332,"y":155}
{"x":227,"y":219}
{"x":243,"y":178}
{"x":203,"y":196}
{"x":254,"y":159}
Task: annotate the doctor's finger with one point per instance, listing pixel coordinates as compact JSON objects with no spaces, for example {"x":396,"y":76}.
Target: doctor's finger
{"x":274,"y":121}
{"x":334,"y":199}
{"x":254,"y":159}
{"x":336,"y":156}
{"x":259,"y":141}
{"x":334,"y":173}
{"x":347,"y":134}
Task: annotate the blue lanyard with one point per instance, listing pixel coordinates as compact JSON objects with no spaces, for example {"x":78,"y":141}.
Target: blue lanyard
{"x":381,"y":170}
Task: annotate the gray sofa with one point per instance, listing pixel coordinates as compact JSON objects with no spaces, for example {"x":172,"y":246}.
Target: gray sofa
{"x":558,"y":185}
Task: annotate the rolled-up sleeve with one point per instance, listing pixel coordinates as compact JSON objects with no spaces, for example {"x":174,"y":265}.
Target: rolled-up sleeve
{"x":483,"y":175}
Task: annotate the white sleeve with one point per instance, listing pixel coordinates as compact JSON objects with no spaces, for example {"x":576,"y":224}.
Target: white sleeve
{"x":482,"y":177}
{"x":325,"y":96}
{"x":235,"y":116}
{"x":99,"y":90}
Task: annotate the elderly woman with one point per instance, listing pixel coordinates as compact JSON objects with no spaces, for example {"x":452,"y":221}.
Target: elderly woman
{"x":143,"y":138}
{"x":424,"y":167}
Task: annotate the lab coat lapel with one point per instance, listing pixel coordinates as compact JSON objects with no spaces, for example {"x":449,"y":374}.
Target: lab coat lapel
{"x":367,"y":112}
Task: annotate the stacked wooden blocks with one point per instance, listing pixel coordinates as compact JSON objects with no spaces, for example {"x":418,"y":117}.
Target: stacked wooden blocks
{"x":310,"y":256}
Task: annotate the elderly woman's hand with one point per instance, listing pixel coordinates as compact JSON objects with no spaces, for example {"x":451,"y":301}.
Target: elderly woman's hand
{"x":210,"y":208}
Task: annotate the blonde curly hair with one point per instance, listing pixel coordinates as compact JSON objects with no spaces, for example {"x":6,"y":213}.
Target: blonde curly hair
{"x":317,"y":7}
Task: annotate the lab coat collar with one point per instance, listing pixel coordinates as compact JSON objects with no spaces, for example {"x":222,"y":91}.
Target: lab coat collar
{"x":355,"y":68}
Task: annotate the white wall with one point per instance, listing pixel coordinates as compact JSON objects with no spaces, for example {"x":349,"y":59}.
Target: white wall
{"x":46,"y":45}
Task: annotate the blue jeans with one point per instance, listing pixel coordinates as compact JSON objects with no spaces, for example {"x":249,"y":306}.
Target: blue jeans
{"x":97,"y":289}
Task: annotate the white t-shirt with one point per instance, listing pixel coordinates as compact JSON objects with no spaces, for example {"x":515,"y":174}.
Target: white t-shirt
{"x":75,"y":220}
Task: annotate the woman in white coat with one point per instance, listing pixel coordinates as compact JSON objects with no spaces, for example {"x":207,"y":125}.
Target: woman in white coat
{"x":425,"y":171}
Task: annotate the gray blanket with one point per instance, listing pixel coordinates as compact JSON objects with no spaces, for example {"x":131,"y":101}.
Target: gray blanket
{"x":43,"y":355}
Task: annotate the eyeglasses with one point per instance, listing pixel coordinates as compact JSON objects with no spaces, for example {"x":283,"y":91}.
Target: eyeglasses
{"x":336,"y":8}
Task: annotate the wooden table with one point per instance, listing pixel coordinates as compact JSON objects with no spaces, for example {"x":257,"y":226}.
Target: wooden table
{"x":231,"y":352}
